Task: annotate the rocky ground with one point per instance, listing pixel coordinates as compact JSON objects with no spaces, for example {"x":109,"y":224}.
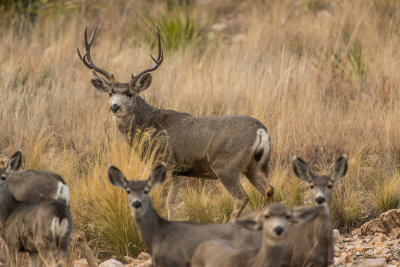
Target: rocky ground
{"x":374,"y":244}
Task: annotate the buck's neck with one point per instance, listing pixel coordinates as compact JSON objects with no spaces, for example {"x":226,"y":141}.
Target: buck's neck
{"x":143,"y":116}
{"x":149,"y":225}
{"x":268,"y":255}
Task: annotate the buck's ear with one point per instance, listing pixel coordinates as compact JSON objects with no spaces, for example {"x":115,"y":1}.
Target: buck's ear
{"x":339,"y":169}
{"x":15,"y":162}
{"x":251,"y":221}
{"x":306,"y":213}
{"x":143,"y":83}
{"x":301,"y":169}
{"x":158,"y":175}
{"x":100,"y":84}
{"x":117,"y":178}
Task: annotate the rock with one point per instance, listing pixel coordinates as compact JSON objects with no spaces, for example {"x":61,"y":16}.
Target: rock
{"x":337,"y":238}
{"x":111,"y":263}
{"x":364,"y":248}
{"x":381,"y":262}
{"x":218,"y":27}
{"x":128,"y":259}
{"x":387,"y":223}
{"x":139,"y":263}
{"x":143,"y":256}
{"x":356,"y":231}
{"x":79,"y":263}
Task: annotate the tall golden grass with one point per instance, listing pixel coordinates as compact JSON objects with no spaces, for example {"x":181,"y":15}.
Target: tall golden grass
{"x":323,"y":76}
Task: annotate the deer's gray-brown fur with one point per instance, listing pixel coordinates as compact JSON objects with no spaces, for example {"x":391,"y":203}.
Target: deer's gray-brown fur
{"x":209,"y":147}
{"x":312,"y":244}
{"x":274,"y":220}
{"x":42,"y":228}
{"x":35,"y":185}
{"x":172,"y":243}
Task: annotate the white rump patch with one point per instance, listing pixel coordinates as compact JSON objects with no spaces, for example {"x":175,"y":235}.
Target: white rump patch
{"x":58,"y":229}
{"x":264,"y":142}
{"x":62,"y":192}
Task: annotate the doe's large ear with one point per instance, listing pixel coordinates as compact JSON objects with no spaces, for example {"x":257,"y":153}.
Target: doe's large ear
{"x":117,"y":178}
{"x":15,"y":162}
{"x":306,"y":213}
{"x":100,"y":84}
{"x":301,"y":169}
{"x":251,"y":221}
{"x":143,"y":83}
{"x":339,"y":169}
{"x":158,"y":175}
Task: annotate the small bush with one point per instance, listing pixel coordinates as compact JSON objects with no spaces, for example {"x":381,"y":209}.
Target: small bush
{"x":386,"y":193}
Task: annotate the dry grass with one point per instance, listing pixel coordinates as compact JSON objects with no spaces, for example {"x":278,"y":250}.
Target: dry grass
{"x":321,"y":75}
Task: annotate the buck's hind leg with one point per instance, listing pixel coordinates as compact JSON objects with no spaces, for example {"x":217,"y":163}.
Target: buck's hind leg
{"x":229,"y":178}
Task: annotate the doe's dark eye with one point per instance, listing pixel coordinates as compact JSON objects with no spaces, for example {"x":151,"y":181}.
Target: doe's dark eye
{"x":288,"y":217}
{"x":128,"y":191}
{"x":311,"y":186}
{"x":266,"y":216}
{"x":146,"y":191}
{"x":329,"y":186}
{"x":3,"y":177}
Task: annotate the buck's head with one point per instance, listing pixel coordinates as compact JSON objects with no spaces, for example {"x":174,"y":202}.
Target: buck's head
{"x":122,"y":95}
{"x":274,"y":220}
{"x":138,"y":190}
{"x":321,"y":186}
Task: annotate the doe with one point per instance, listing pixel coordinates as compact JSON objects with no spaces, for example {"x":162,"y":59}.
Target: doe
{"x":42,"y":229}
{"x":312,"y":244}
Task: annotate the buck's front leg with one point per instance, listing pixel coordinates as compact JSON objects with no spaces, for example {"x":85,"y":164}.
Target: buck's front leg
{"x":176,"y":183}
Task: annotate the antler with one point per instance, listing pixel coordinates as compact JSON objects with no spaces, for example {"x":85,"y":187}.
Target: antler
{"x":87,"y":58}
{"x":158,"y":61}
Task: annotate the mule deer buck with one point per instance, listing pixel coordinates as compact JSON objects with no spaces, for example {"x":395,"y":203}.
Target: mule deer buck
{"x":42,"y":229}
{"x":36,"y":186}
{"x":316,"y":246}
{"x":209,"y":147}
{"x":274,"y":222}
{"x":172,"y":243}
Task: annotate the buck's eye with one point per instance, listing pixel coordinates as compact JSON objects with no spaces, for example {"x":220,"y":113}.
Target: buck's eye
{"x":146,"y":191}
{"x":288,"y":217}
{"x":311,"y":186}
{"x":128,"y":191}
{"x":129,"y":94}
{"x":266,"y":216}
{"x":329,"y":186}
{"x":3,"y":178}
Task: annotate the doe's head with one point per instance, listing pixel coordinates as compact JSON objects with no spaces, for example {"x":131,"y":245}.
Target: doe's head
{"x":274,"y":220}
{"x":13,"y":165}
{"x":122,"y":95}
{"x":138,"y":190}
{"x":321,"y":186}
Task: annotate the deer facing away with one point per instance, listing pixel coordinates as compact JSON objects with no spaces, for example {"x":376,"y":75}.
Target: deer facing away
{"x":208,"y":147}
{"x":316,"y":246}
{"x":41,"y":229}
{"x":274,"y":222}
{"x":36,"y":186}
{"x":172,"y":243}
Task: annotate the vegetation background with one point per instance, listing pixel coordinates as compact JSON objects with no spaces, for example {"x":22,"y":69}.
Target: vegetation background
{"x":322,"y":75}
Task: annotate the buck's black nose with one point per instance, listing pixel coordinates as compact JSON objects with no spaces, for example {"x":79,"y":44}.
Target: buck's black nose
{"x":278,"y":230}
{"x":320,"y":200}
{"x":114,"y":108}
{"x":137,"y":204}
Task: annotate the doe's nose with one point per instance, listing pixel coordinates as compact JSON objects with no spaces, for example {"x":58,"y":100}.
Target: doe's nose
{"x":320,"y":200}
{"x":114,"y":108}
{"x":278,"y":230}
{"x":137,"y":204}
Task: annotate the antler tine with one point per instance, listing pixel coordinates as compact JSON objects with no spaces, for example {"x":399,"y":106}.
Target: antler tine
{"x":158,"y":61}
{"x":87,"y":58}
